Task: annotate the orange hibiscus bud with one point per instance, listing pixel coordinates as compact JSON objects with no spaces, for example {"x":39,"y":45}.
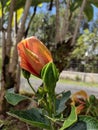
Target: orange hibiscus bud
{"x":33,"y":55}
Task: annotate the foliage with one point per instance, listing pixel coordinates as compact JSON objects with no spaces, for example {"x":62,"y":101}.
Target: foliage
{"x":85,"y":44}
{"x":88,"y":8}
{"x":85,"y":53}
{"x":51,"y":107}
{"x":42,"y":30}
{"x":54,"y":109}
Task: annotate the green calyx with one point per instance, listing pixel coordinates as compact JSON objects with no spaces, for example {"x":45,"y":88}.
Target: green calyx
{"x":50,"y":76}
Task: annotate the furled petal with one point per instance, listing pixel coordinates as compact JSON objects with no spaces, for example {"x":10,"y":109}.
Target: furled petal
{"x":24,"y":62}
{"x":37,"y":47}
{"x":33,"y":54}
{"x":33,"y":61}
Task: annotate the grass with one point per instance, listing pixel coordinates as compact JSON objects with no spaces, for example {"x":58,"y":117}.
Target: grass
{"x":66,"y":81}
{"x":79,"y":83}
{"x":73,"y":82}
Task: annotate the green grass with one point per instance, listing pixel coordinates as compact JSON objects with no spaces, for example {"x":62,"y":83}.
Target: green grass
{"x":79,"y":83}
{"x":66,"y":81}
{"x":73,"y":82}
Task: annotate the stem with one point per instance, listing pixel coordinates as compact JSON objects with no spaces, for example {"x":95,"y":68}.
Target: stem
{"x":54,"y":101}
{"x":31,"y":86}
{"x":88,"y":110}
{"x":52,"y":126}
{"x":52,"y":109}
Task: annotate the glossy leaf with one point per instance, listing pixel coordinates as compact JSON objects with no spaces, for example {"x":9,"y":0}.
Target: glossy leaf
{"x":91,"y":122}
{"x":94,"y":2}
{"x":70,"y":120}
{"x":60,"y":102}
{"x":80,"y":125}
{"x":89,"y":11}
{"x":33,"y":117}
{"x":14,"y":99}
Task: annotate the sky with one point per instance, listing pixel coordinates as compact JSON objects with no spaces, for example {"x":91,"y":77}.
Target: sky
{"x":95,"y":12}
{"x":44,"y":9}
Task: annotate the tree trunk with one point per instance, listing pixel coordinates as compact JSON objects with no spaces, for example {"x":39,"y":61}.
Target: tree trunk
{"x":9,"y":39}
{"x":6,"y":48}
{"x":18,"y":75}
{"x":20,"y":34}
{"x":65,"y":21}
{"x":78,"y":22}
{"x":57,"y":35}
{"x":27,"y":29}
{"x":13,"y":65}
{"x":9,"y":66}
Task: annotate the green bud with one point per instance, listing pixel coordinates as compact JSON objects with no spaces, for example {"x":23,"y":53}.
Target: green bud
{"x":50,"y":76}
{"x":92,"y":99}
{"x":40,"y":91}
{"x":26,"y":74}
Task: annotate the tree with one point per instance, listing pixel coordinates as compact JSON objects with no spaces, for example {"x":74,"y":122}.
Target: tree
{"x":85,"y":53}
{"x":9,"y":65}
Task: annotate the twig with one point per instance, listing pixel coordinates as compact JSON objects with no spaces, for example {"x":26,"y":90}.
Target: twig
{"x":78,"y":22}
{"x":31,"y":86}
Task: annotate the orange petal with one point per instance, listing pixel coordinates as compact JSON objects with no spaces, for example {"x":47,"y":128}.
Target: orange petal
{"x":33,"y":61}
{"x":80,"y":94}
{"x":34,"y":54}
{"x":37,"y":47}
{"x":24,"y":62}
{"x":25,"y":65}
{"x":79,"y":108}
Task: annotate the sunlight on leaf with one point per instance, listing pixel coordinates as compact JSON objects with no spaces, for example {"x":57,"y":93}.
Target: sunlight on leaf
{"x":14,"y":99}
{"x":70,"y":120}
{"x":91,"y":122}
{"x":33,"y":117}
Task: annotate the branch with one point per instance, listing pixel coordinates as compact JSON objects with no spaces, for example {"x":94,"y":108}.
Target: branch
{"x":78,"y":22}
{"x":66,"y":20}
{"x":22,"y":26}
{"x":12,"y":5}
{"x":51,"y":4}
{"x":20,"y":35}
{"x":26,"y":32}
{"x":57,"y":24}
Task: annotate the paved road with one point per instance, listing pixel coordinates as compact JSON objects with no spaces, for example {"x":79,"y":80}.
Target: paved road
{"x":60,"y":87}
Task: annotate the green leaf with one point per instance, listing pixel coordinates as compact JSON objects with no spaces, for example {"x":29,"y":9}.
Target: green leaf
{"x":80,"y":125}
{"x":50,"y":76}
{"x":94,"y":2}
{"x":37,"y":2}
{"x":89,"y":11}
{"x":91,"y":122}
{"x":21,"y":3}
{"x":14,"y":99}
{"x":70,"y":120}
{"x":33,"y":117}
{"x":60,"y":103}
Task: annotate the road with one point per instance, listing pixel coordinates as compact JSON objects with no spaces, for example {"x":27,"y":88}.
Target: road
{"x":59,"y":88}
